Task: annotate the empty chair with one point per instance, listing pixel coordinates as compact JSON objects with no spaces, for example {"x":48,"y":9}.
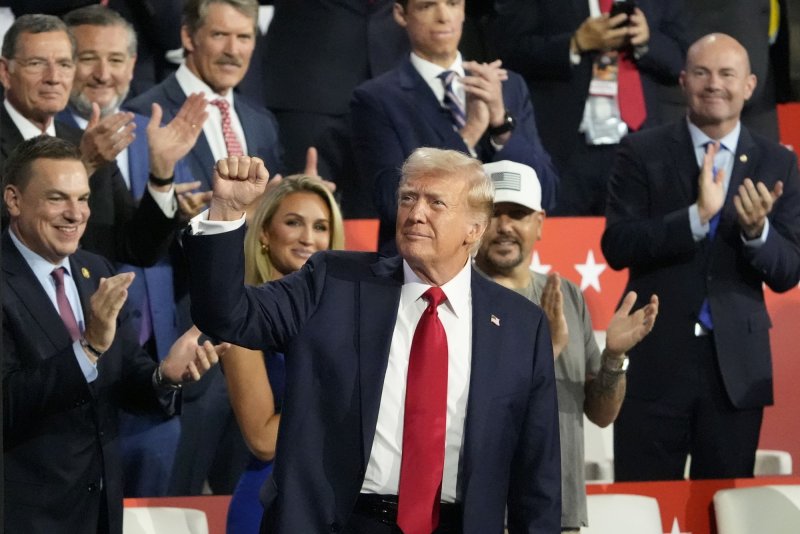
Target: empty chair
{"x":623,"y":514}
{"x":163,"y":520}
{"x":771,"y":462}
{"x":772,"y":509}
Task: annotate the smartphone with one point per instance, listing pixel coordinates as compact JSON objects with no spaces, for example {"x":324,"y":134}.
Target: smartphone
{"x":627,"y":7}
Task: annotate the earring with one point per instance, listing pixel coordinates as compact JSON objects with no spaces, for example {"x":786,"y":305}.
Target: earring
{"x":264,"y":248}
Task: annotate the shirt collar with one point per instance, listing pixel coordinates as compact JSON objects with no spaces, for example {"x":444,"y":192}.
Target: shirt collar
{"x":457,"y":289}
{"x":431,"y":71}
{"x":41,"y":267}
{"x":27,"y":128}
{"x":190,"y":83}
{"x":700,"y":139}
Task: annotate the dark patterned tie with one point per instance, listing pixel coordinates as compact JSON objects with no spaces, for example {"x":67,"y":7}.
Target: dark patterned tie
{"x":452,"y":102}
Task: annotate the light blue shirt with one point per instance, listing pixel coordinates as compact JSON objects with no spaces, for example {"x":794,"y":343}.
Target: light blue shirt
{"x":42,"y":270}
{"x":724,"y":161}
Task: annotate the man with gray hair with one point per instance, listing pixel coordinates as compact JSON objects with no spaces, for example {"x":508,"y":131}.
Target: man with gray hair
{"x":587,"y":380}
{"x":36,"y":70}
{"x":421,"y":395}
{"x":106,"y":56}
{"x":218,"y":39}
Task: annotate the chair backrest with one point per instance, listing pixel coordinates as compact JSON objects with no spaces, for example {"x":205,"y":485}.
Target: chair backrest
{"x":773,"y":509}
{"x":164,"y":520}
{"x":623,"y":514}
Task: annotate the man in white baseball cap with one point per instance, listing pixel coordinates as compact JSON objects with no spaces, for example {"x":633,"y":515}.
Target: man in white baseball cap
{"x":587,"y":380}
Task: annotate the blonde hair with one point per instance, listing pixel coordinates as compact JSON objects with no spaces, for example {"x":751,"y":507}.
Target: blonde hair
{"x":428,"y":161}
{"x":258,"y":267}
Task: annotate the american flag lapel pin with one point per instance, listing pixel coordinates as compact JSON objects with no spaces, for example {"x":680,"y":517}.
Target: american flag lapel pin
{"x":495,"y":320}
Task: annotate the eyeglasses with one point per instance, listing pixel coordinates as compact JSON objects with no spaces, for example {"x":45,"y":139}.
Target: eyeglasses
{"x":39,"y":65}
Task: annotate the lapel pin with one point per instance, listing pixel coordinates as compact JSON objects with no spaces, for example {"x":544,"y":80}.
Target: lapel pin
{"x":743,"y":158}
{"x":495,"y":320}
{"x":85,"y":272}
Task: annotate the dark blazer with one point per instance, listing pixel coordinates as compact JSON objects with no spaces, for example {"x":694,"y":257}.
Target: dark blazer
{"x":61,"y":435}
{"x":647,"y":230}
{"x":317,"y":51}
{"x":155,"y":282}
{"x":334,"y":320}
{"x":118,"y":229}
{"x":259,"y":125}
{"x":532,"y":37}
{"x":396,"y":113}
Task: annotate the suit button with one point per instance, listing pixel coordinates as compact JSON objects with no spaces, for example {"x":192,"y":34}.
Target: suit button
{"x":335,"y":527}
{"x":92,"y":487}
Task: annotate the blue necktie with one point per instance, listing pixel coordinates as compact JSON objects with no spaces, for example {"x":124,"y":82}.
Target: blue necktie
{"x":704,"y":315}
{"x":457,"y":113}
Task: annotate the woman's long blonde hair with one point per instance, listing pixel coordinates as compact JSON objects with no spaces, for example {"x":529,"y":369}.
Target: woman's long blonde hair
{"x":258,"y":267}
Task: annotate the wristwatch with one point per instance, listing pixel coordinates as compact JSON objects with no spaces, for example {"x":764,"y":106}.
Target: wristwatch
{"x":508,"y":125}
{"x":618,"y":366}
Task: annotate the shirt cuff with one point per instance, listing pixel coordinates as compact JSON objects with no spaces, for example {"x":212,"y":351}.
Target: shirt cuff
{"x":165,"y":200}
{"x":758,"y":241}
{"x":699,"y":230}
{"x":200,"y":225}
{"x":88,"y":368}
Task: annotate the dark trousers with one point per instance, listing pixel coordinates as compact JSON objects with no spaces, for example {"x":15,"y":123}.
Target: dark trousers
{"x":653,"y":437}
{"x":584,"y":180}
{"x":375,"y":514}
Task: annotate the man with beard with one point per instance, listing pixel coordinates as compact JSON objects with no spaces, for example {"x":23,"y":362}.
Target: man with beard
{"x":218,"y":39}
{"x":586,"y":380}
{"x":106,"y":52}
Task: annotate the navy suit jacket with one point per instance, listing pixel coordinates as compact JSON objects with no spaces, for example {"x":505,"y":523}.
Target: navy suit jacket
{"x":396,"y":113}
{"x":654,"y":181}
{"x":533,"y":36}
{"x":259,"y":125}
{"x":156,"y":282}
{"x":334,"y":320}
{"x":60,"y":432}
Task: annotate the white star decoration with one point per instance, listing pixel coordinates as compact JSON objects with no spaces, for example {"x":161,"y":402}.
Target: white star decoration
{"x":590,"y":272}
{"x":537,"y":266}
{"x":677,"y":529}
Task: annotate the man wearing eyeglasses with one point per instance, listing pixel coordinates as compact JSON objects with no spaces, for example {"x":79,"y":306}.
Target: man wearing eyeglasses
{"x":36,"y":70}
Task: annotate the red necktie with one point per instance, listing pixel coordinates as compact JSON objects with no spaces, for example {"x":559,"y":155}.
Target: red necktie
{"x":232,"y":144}
{"x":629,"y":85}
{"x":424,"y":423}
{"x":64,"y":309}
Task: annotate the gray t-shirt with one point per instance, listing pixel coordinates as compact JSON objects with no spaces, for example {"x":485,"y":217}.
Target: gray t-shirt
{"x":580,"y":357}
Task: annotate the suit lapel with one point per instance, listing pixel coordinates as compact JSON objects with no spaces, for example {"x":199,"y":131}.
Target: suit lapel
{"x":139,"y":158}
{"x":21,"y":281}
{"x":745,"y":159}
{"x":86,"y":282}
{"x":682,"y":156}
{"x":422,"y":99}
{"x":10,"y":136}
{"x":378,"y":299}
{"x":486,"y":336}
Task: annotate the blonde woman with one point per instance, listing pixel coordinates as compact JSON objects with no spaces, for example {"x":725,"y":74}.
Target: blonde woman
{"x":294,"y":220}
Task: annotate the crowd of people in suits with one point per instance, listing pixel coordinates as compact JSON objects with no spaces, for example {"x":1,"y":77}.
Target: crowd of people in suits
{"x":170,"y":167}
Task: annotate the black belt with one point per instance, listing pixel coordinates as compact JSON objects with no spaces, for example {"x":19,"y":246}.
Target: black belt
{"x":383,"y":508}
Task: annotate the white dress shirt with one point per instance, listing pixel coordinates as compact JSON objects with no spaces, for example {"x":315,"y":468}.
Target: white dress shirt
{"x":383,"y":470}
{"x":430,"y":73}
{"x":26,"y":127}
{"x":212,"y":128}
